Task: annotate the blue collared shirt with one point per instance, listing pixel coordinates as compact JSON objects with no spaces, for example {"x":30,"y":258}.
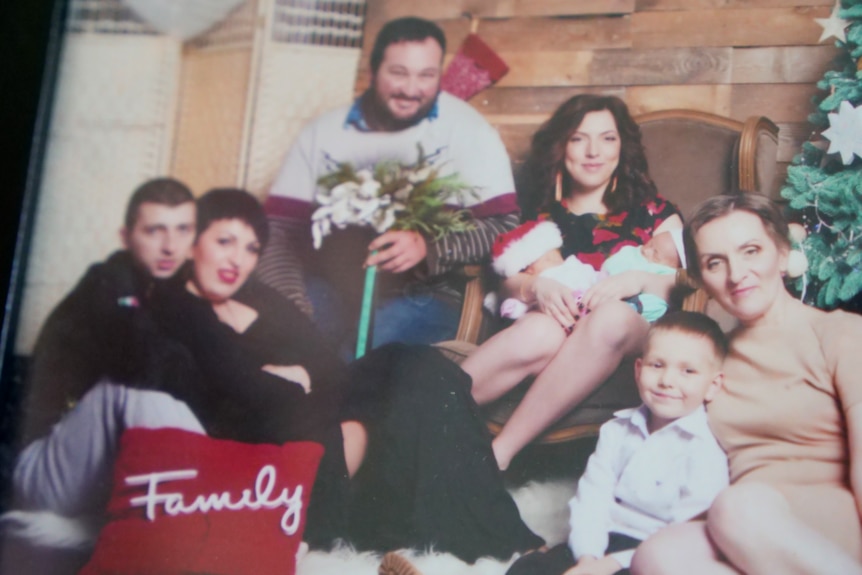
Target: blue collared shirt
{"x":356,"y":119}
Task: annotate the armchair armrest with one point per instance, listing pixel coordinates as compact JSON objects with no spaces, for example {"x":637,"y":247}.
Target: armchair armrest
{"x":471,"y":310}
{"x":758,"y":146}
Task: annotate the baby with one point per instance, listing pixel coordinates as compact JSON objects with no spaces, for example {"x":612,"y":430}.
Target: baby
{"x":653,"y":465}
{"x":533,"y":248}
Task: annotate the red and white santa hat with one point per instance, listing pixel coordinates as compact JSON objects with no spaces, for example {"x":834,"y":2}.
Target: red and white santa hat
{"x":518,"y":248}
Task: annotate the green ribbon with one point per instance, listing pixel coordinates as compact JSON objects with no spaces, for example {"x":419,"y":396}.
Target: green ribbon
{"x":365,"y":312}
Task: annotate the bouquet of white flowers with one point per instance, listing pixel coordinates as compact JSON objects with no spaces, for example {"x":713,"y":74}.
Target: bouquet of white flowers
{"x":389,"y":196}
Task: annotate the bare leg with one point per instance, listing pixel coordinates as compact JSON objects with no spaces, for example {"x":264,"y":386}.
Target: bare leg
{"x":756,"y":529}
{"x":522,"y":349}
{"x":680,"y":549}
{"x":355,"y":444}
{"x":587,"y":357}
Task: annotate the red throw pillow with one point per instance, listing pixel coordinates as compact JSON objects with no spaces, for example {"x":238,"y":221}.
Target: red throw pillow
{"x":187,"y":503}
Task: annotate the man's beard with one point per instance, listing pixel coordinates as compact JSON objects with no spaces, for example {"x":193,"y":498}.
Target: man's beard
{"x":383,"y":115}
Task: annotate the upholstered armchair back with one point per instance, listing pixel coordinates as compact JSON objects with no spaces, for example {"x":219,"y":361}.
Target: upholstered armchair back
{"x":694,"y":155}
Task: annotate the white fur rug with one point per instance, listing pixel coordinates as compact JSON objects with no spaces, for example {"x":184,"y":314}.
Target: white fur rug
{"x":543,"y":507}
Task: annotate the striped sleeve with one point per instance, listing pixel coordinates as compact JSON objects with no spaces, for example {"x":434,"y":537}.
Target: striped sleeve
{"x":280,"y":266}
{"x":470,"y":247}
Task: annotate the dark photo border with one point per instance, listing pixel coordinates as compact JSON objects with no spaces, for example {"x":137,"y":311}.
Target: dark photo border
{"x":30,"y":41}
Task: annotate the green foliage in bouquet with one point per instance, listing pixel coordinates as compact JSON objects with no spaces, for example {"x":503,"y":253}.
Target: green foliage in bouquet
{"x":393,"y":196}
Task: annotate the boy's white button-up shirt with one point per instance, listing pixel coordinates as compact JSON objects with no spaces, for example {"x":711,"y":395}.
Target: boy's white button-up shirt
{"x":636,"y":483}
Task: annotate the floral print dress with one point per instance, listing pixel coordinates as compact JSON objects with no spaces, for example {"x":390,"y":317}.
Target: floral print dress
{"x":592,"y":238}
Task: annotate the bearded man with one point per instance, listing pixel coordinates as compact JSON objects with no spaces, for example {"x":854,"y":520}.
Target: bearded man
{"x":420,"y":290}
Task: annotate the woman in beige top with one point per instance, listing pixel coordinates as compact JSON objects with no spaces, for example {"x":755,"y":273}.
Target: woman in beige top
{"x":790,"y":417}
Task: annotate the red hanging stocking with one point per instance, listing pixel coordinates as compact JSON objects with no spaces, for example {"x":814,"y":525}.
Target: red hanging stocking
{"x":475,"y":67}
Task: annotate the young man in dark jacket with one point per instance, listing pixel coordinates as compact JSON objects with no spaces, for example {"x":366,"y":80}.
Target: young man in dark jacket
{"x":89,"y":334}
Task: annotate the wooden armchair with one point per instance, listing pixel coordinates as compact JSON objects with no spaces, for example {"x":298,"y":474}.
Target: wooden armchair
{"x":692,"y":156}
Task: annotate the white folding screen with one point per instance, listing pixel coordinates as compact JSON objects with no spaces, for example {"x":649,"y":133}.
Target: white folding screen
{"x":110,"y":130}
{"x":306,"y":63}
{"x":119,"y":113}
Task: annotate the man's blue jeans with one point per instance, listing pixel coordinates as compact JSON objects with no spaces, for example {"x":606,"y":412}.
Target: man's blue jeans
{"x":413,"y":318}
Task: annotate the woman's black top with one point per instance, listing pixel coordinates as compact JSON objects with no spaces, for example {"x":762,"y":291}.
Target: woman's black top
{"x":429,"y":477}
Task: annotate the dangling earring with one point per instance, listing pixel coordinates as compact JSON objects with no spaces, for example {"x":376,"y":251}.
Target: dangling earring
{"x":558,"y":188}
{"x":613,"y":185}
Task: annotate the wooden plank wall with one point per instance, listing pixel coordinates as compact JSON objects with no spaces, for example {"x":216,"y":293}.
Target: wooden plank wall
{"x":735,"y":58}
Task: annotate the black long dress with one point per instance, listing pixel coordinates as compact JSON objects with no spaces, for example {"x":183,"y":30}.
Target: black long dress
{"x":429,"y":477}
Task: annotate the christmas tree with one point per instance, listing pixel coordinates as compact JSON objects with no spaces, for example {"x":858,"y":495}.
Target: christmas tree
{"x":824,"y":185}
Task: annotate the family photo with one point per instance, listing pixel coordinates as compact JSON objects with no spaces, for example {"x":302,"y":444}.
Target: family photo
{"x":463,"y":287}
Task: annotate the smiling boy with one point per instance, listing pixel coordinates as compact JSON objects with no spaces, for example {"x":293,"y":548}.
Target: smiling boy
{"x":653,"y":465}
